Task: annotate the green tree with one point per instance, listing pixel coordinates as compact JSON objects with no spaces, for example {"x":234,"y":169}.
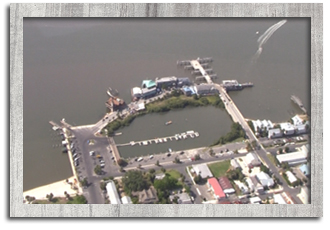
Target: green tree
{"x":102,"y":185}
{"x":84,"y":182}
{"x":280,"y":150}
{"x":133,"y":180}
{"x":287,"y":149}
{"x":163,"y":170}
{"x":78,"y":199}
{"x":157,"y":163}
{"x":197,"y":178}
{"x":98,"y":170}
{"x":197,"y":157}
{"x":121,"y":162}
{"x":211,"y":152}
{"x":151,"y":171}
{"x":176,"y":160}
{"x":167,"y":183}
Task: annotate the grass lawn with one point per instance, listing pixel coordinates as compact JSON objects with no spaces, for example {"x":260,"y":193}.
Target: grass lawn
{"x":220,"y":168}
{"x":173,"y":173}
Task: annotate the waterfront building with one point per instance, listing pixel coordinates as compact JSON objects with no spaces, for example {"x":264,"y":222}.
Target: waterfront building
{"x":136,"y":93}
{"x":147,"y":93}
{"x":183,"y":82}
{"x":273,"y":133}
{"x":112,"y":193}
{"x":205,"y":89}
{"x":288,"y":128}
{"x":262,"y":124}
{"x":188,"y":91}
{"x":148,"y":84}
{"x":300,"y":129}
{"x":231,"y":85}
{"x":297,"y":120}
{"x":166,"y":82}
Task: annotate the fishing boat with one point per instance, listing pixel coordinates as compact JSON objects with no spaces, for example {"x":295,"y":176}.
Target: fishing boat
{"x":192,"y":135}
{"x":165,"y":140}
{"x":168,"y":122}
{"x":160,"y":140}
{"x":196,"y":134}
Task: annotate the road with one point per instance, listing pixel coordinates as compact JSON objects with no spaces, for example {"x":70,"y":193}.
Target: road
{"x":238,"y":117}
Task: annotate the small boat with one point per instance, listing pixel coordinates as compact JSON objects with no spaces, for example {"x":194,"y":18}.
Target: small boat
{"x":156,"y":141}
{"x":55,"y":128}
{"x":160,"y":141}
{"x":196,"y":134}
{"x":176,"y":138}
{"x":145,"y":142}
{"x":168,"y":122}
{"x":192,"y":135}
{"x":170,"y":150}
{"x":132,"y":143}
{"x":165,"y":140}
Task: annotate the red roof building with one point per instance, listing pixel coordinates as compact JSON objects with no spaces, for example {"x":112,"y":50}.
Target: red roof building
{"x":215,"y":186}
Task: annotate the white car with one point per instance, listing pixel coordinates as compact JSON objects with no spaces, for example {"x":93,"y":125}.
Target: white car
{"x":152,"y":156}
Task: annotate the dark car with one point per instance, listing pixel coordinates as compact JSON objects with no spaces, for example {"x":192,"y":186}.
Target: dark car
{"x":182,"y":152}
{"x":227,"y":150}
{"x":169,"y":154}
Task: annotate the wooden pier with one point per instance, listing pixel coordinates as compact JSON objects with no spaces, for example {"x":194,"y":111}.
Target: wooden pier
{"x":55,"y":126}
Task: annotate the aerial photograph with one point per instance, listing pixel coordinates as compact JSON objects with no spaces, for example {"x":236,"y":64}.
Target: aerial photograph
{"x":166,"y":110}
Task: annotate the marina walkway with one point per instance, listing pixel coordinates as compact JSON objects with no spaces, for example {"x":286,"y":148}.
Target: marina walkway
{"x":197,"y":66}
{"x":177,"y":137}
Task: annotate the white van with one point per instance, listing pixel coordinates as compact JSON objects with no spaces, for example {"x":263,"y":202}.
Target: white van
{"x":140,"y":159}
{"x":152,"y":156}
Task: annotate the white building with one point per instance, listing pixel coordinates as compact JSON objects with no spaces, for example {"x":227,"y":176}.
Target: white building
{"x":304,"y":195}
{"x":126,"y":200}
{"x":265,"y":179}
{"x":295,"y":158}
{"x":292,"y":178}
{"x":112,"y":192}
{"x":262,"y":124}
{"x":255,"y":200}
{"x":183,"y":198}
{"x":203,"y":170}
{"x":288,"y":128}
{"x":273,"y":133}
{"x":301,"y":129}
{"x":252,"y":160}
{"x":297,"y":120}
{"x":278,"y":199}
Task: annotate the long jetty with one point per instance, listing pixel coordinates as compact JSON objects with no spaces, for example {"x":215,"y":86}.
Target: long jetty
{"x":297,"y":100}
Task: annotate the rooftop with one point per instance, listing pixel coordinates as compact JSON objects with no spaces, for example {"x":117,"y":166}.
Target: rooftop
{"x":265,"y":180}
{"x":112,"y":192}
{"x":148,"y":84}
{"x":213,"y":182}
{"x":203,"y":170}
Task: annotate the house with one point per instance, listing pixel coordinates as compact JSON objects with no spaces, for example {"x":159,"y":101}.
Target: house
{"x":112,"y":193}
{"x":296,"y":120}
{"x":252,"y":160}
{"x":235,"y":164}
{"x":292,"y":178}
{"x":203,"y":170}
{"x":126,"y":200}
{"x":226,"y":185}
{"x":278,"y":199}
{"x":188,"y":91}
{"x":147,"y":196}
{"x":242,"y":186}
{"x":255,"y":200}
{"x":274,"y":133}
{"x":288,"y":128}
{"x":205,"y":89}
{"x":214,"y":185}
{"x":301,"y":129}
{"x":258,"y":187}
{"x":305,"y":169}
{"x":265,"y":180}
{"x":183,"y":198}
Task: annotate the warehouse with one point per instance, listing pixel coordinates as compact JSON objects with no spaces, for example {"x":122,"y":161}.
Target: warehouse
{"x":112,"y":193}
{"x":294,"y":158}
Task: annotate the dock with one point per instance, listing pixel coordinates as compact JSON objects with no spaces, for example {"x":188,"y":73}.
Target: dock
{"x":297,"y":100}
{"x":157,"y":140}
{"x":197,"y":66}
{"x":55,"y":126}
{"x":65,"y":124}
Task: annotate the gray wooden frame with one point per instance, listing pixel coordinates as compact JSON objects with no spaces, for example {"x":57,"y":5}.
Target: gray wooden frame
{"x":18,"y":11}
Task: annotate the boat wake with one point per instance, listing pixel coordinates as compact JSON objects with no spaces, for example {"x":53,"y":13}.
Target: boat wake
{"x":265,"y":37}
